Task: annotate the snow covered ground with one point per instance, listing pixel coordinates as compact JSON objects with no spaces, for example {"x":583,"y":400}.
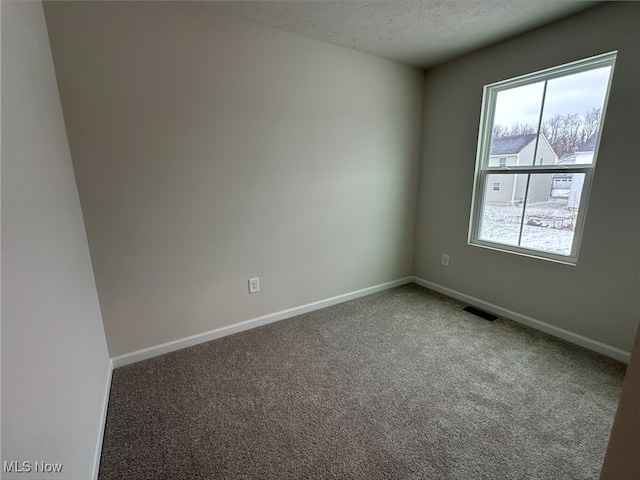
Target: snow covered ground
{"x":548,"y":226}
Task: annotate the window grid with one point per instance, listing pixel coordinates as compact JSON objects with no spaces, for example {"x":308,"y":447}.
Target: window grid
{"x":483,"y":169}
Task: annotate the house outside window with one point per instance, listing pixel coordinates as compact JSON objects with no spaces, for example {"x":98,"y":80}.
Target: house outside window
{"x":555,"y":116}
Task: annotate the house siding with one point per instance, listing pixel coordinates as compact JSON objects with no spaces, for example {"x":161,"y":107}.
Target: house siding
{"x":539,"y":186}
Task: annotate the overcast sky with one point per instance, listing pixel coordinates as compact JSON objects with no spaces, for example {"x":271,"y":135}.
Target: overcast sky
{"x":571,"y":94}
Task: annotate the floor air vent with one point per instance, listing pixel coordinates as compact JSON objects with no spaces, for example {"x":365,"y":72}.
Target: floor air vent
{"x":480,"y":313}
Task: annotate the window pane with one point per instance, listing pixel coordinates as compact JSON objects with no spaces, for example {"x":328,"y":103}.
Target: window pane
{"x":571,"y":115}
{"x":517,"y":111}
{"x":525,"y":200}
{"x":551,"y":211}
{"x":502,"y":209}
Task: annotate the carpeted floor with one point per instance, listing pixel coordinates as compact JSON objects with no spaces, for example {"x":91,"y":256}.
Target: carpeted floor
{"x":402,"y":384}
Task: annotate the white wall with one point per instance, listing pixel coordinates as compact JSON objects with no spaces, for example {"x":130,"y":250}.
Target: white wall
{"x":597,"y":299}
{"x":55,"y":364}
{"x":209,"y":150}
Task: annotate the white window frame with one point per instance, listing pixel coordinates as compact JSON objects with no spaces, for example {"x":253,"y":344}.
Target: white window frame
{"x":482,"y":169}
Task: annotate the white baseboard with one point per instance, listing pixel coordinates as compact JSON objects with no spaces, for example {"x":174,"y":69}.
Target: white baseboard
{"x":571,"y":337}
{"x":103,"y":422}
{"x":150,"y":352}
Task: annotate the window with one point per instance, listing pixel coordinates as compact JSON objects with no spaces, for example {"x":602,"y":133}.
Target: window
{"x":556,"y":116}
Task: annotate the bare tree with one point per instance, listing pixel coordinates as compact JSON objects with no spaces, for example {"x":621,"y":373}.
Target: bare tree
{"x":591,"y":122}
{"x":552,"y":129}
{"x":522,"y":129}
{"x":574,"y":124}
{"x":499,"y":131}
{"x":565,"y":133}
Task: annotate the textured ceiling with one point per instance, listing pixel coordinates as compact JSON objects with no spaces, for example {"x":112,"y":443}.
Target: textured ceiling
{"x":417,"y":32}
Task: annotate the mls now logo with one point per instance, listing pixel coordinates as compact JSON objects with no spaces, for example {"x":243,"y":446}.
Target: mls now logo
{"x":28,"y":467}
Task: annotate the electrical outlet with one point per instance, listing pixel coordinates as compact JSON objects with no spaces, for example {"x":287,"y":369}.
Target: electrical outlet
{"x":445,"y":260}
{"x":254,"y":285}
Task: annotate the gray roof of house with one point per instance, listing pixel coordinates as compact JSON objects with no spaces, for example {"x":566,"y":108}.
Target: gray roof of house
{"x":589,"y":145}
{"x":510,"y":145}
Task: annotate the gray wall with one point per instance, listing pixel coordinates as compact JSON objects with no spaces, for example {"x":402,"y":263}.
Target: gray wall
{"x":209,"y":150}
{"x":598,"y":298}
{"x":55,"y":363}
